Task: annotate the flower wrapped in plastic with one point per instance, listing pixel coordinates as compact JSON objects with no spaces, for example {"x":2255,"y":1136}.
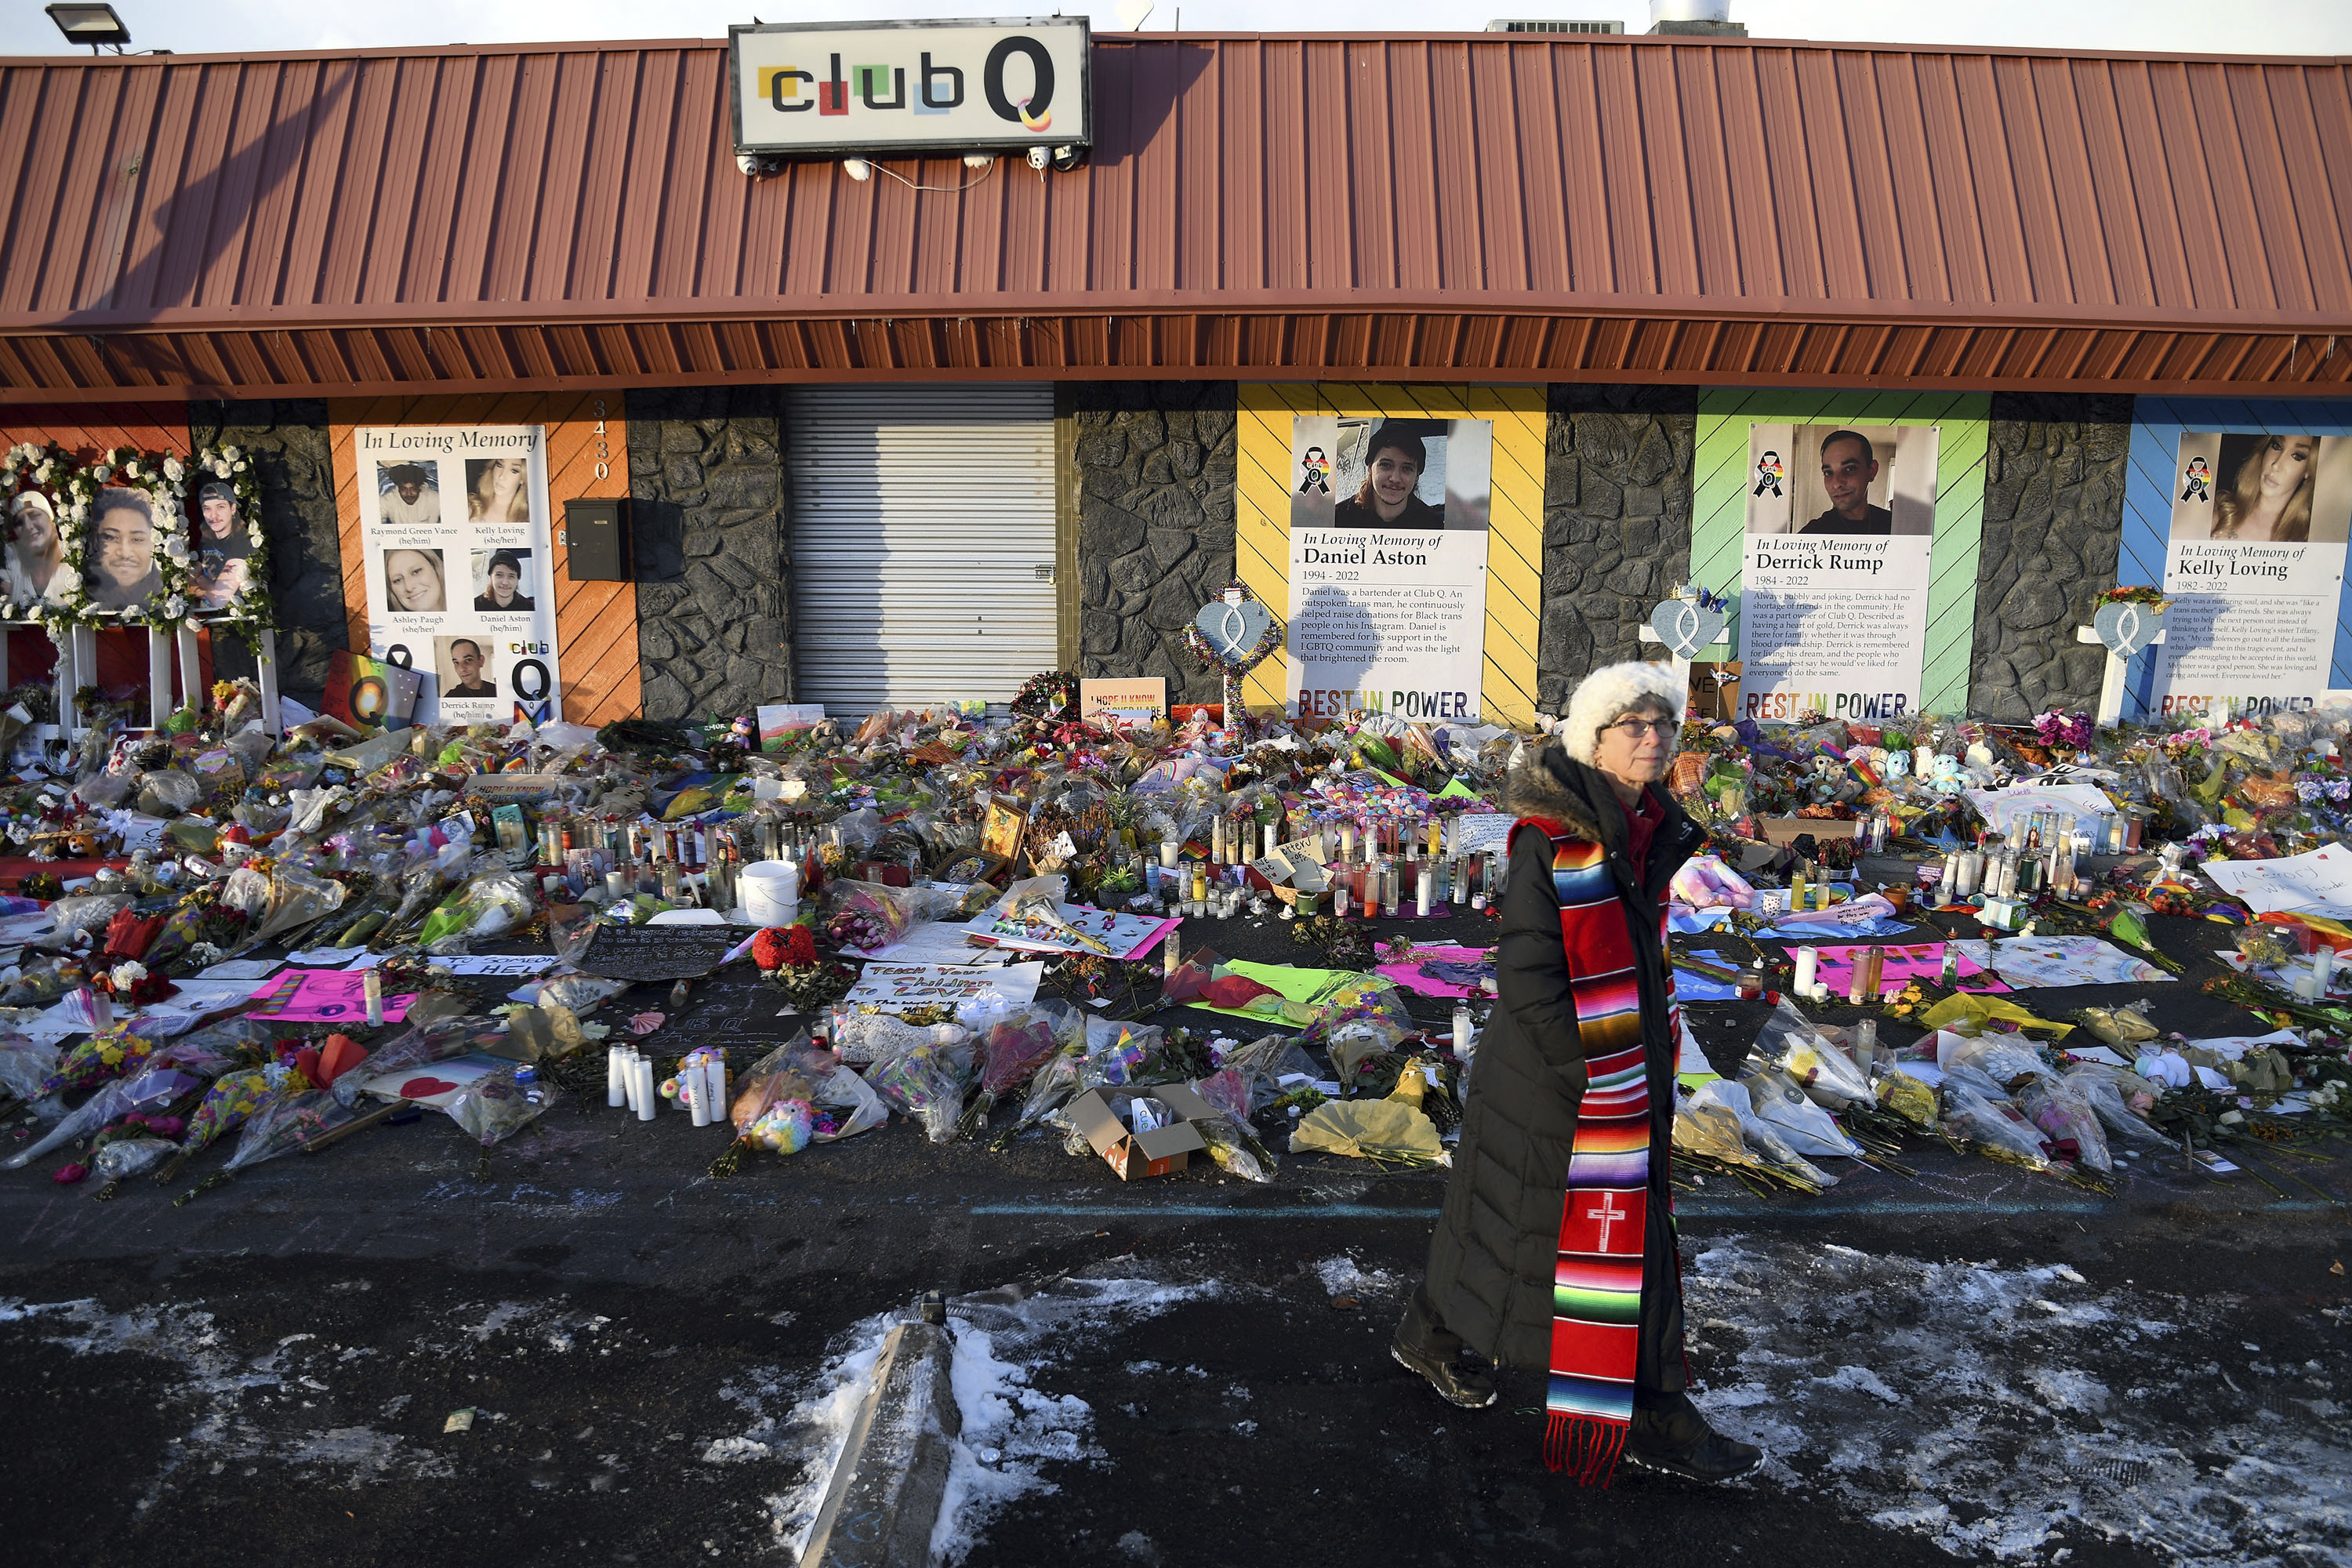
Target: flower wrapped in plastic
{"x":109,"y":1054}
{"x":1015,"y":1045}
{"x":25,"y":1066}
{"x":488,"y":905}
{"x":232,"y":1099}
{"x":1760,"y":1137}
{"x":1789,"y":1043}
{"x":1991,"y":1126}
{"x":294,"y":1115}
{"x":863,"y":917}
{"x":501,"y":1103}
{"x":1385,"y":1132}
{"x":2067,"y":1123}
{"x":928,"y":1083}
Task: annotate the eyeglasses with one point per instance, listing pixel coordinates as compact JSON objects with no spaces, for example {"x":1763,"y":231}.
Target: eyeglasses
{"x":1635,"y":728}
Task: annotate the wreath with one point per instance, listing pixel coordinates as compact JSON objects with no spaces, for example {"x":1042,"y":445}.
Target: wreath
{"x":252,"y":610}
{"x":157,"y":476}
{"x":44,"y":471}
{"x":2133,"y":595}
{"x":1046,"y":693}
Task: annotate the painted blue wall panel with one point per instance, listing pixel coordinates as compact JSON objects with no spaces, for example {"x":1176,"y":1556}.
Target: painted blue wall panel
{"x":2157,"y":425}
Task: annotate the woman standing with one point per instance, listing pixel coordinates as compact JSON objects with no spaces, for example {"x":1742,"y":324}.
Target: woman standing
{"x":1556,"y":1246}
{"x":499,"y":491}
{"x":2269,"y":500}
{"x":1392,"y":470}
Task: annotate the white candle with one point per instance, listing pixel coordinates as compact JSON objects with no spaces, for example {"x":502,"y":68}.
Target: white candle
{"x":694,"y":1092}
{"x":648,"y":1100}
{"x":1807,"y":963}
{"x":2322,"y":965}
{"x":372,"y":986}
{"x":715,"y":1074}
{"x":1426,"y":893}
{"x":617,"y":1084}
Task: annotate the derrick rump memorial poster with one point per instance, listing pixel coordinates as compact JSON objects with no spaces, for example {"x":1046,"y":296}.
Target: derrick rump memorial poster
{"x":2254,"y":568}
{"x":454,"y":533}
{"x":1833,"y":586}
{"x":1388,"y":566}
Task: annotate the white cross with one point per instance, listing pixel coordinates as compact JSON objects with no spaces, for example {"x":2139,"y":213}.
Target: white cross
{"x":1608,"y":1214}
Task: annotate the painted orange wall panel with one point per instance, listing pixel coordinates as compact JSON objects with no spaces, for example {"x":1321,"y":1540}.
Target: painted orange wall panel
{"x":595,"y":623}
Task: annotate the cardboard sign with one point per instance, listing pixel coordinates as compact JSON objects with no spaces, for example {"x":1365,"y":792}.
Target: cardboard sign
{"x":1126,"y":936}
{"x":779,"y":722}
{"x":435,"y":1085}
{"x":896,"y":988}
{"x":656,"y":953}
{"x":322,"y":996}
{"x":1123,"y":704}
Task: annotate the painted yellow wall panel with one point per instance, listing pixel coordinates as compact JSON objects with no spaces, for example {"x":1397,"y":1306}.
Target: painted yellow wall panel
{"x":1514,"y":539}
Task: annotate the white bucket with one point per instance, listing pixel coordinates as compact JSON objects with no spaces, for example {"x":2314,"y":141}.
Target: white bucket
{"x":770,"y":891}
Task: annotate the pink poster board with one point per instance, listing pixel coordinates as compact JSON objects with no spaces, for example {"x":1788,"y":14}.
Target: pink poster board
{"x":322,"y":996}
{"x":1920,"y":961}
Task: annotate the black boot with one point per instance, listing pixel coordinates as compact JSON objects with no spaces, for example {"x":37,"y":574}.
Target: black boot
{"x":1670,"y":1435}
{"x":1424,"y":1345}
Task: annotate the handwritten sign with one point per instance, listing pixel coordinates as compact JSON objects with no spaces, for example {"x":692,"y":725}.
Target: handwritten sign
{"x":322,"y":996}
{"x":896,"y":988}
{"x":1126,"y":936}
{"x":656,"y":953}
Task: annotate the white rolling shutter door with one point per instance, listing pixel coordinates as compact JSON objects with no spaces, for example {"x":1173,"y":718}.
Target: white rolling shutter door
{"x":922,"y":542}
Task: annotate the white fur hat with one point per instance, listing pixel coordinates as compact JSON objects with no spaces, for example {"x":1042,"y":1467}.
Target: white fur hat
{"x":1607,"y":695}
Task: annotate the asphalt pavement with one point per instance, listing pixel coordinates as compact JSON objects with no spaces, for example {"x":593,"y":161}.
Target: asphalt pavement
{"x":646,"y":1364}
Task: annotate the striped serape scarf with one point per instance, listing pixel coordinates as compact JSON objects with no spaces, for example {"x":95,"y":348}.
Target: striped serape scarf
{"x":1604,"y":1219}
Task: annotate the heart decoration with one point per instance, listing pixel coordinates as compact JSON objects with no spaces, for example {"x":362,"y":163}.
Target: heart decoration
{"x":2127,"y":628}
{"x":1685,"y":627}
{"x":1231,"y":629}
{"x":425,"y":1088}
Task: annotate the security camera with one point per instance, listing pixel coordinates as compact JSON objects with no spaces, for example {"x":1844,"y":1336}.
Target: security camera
{"x":1039,"y":157}
{"x":758,"y":165}
{"x":1068,"y":160}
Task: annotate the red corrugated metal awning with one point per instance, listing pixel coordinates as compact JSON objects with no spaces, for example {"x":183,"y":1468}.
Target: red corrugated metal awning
{"x":1480,"y":206}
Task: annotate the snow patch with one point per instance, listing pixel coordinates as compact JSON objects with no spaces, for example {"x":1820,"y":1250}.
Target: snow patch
{"x":1340,"y":1277}
{"x":1973,"y":1405}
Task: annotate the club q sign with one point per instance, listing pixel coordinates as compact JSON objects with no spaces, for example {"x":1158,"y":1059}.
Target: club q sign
{"x":841,"y":87}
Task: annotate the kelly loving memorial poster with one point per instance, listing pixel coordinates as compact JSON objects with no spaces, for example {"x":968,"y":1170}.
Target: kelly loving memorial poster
{"x":1833,"y":589}
{"x":2254,"y":568}
{"x":1388,"y":566}
{"x":454,"y":526}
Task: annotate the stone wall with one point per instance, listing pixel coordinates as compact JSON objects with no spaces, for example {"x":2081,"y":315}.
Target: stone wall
{"x":1152,"y":468}
{"x":2052,"y":529}
{"x":709,"y":501}
{"x":1617,"y":523}
{"x":292,"y":455}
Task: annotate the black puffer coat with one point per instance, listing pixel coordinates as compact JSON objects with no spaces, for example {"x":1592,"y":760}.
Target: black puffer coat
{"x":1491,"y":1262}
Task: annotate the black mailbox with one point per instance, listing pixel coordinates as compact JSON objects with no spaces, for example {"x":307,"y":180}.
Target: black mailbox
{"x":596,"y":535}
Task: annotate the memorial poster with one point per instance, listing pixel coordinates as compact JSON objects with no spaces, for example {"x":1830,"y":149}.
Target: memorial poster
{"x":2254,"y":570}
{"x":454,"y":528}
{"x":1833,"y":587}
{"x":1388,"y":566}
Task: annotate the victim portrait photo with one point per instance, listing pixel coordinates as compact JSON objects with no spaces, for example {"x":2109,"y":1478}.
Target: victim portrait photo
{"x":221,"y":563}
{"x":413,"y":581}
{"x":462,"y":663}
{"x":502,"y":581}
{"x":35,"y":553}
{"x":118,"y":552}
{"x":498,"y":489}
{"x":2267,"y":488}
{"x":408,"y":494}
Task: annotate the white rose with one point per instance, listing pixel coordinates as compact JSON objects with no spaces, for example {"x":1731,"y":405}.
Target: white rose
{"x":240,"y":468}
{"x":232,"y":453}
{"x":173,"y":470}
{"x":131,"y":471}
{"x":10,"y":480}
{"x":44,"y":471}
{"x":102,"y":473}
{"x":220,"y":467}
{"x":78,"y":512}
{"x":177,"y":549}
{"x":175,"y":607}
{"x":253,"y":535}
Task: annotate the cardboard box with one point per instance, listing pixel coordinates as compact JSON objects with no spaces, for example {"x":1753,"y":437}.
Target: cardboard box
{"x":1137,"y":1155}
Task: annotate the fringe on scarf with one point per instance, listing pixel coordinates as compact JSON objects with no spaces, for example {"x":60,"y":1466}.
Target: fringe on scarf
{"x":1586,"y":1447}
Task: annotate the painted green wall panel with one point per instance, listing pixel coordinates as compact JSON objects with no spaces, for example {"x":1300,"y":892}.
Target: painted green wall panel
{"x":1719,"y":504}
